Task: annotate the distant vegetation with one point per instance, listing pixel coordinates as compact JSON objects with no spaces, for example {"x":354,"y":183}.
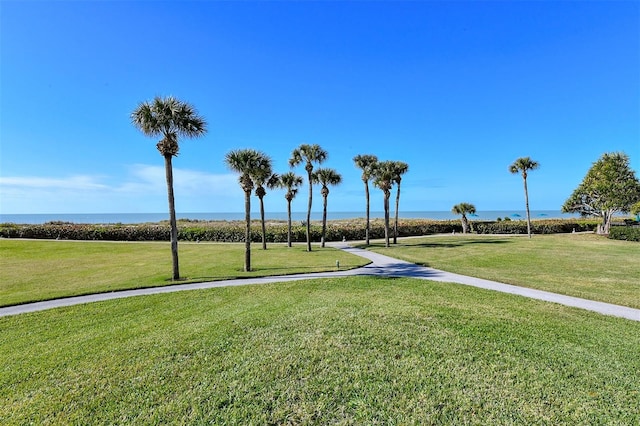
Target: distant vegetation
{"x":277,"y":231}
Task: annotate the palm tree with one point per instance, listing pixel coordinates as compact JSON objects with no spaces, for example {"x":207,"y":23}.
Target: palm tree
{"x":463,"y":209}
{"x":366,"y":163}
{"x":308,"y":154}
{"x":325,"y":177}
{"x":289,"y":181}
{"x":263,"y":176}
{"x":246,"y":162}
{"x":400,"y":168}
{"x":383,"y":178}
{"x":168,"y":117}
{"x":523,"y":165}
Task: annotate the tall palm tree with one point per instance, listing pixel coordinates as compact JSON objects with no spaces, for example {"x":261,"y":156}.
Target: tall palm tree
{"x":169,"y":118}
{"x":463,"y":209}
{"x":325,"y":177}
{"x":523,"y":165}
{"x":383,"y":178}
{"x":263,"y":176}
{"x":367,"y":163}
{"x":289,"y":181}
{"x":308,"y":154}
{"x":246,"y":162}
{"x":400,"y":168}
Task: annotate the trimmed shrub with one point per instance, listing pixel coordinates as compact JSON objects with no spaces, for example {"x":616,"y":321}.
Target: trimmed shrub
{"x":627,"y":233}
{"x":276,"y":232}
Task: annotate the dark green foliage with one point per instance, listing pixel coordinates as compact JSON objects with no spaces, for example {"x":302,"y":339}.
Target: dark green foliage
{"x":508,"y":226}
{"x":627,"y":233}
{"x":52,"y":231}
{"x":277,"y":232}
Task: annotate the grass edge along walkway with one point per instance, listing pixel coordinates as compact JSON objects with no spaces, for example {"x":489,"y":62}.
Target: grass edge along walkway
{"x":381,"y":265}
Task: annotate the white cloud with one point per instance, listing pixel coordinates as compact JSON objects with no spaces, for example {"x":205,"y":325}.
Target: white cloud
{"x":147,"y":178}
{"x":70,"y":183}
{"x":142,"y":189}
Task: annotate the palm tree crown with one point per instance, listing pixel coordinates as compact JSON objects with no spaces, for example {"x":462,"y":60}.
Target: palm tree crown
{"x":463,"y":209}
{"x":308,"y":154}
{"x":326,"y":177}
{"x":385,"y":175}
{"x":170,"y":118}
{"x":248,"y":163}
{"x":367,"y":163}
{"x":290,"y":181}
{"x":523,"y":165}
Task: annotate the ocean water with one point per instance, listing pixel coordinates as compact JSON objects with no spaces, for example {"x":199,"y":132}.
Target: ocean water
{"x":130,"y":218}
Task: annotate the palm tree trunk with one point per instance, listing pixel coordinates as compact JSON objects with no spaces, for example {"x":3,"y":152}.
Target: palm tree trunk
{"x":309,"y":214}
{"x":288,"y":223}
{"x":264,"y":229}
{"x":366,"y":193}
{"x":606,"y":222}
{"x":247,"y":234}
{"x":526,"y":200}
{"x":465,"y":224}
{"x":395,"y":224}
{"x":172,"y":217}
{"x":324,"y":220}
{"x":387,"y":195}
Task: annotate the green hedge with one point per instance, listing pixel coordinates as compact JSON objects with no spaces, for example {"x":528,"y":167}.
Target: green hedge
{"x":550,"y":226}
{"x":277,"y":232}
{"x":627,"y":233}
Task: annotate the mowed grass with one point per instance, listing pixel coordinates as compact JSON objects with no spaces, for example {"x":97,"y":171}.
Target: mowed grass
{"x":359,"y":350}
{"x":33,"y":270}
{"x":582,"y":265}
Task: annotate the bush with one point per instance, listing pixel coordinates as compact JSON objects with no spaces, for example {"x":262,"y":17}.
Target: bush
{"x":276,"y":232}
{"x":627,"y":233}
{"x":550,"y":226}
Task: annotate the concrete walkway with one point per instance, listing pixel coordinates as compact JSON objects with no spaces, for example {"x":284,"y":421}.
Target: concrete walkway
{"x":380,"y":265}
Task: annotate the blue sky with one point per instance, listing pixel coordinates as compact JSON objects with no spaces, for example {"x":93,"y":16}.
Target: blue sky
{"x":458,"y":90}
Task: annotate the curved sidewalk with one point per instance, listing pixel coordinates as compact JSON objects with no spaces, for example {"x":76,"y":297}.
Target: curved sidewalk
{"x":380,"y":265}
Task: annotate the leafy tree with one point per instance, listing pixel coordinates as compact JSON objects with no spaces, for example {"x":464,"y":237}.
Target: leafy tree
{"x":384,"y":176}
{"x":523,"y":165}
{"x":308,"y":154}
{"x":366,"y":163}
{"x":325,"y":177}
{"x":169,"y":118}
{"x":463,"y":209}
{"x":635,"y":209}
{"x":263,"y":176}
{"x":610,"y":186}
{"x":247,"y":162}
{"x":289,"y":181}
{"x":400,"y":169}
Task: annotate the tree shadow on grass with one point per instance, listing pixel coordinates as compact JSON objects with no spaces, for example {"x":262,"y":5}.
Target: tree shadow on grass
{"x":267,"y":272}
{"x":435,"y":244}
{"x":457,"y":244}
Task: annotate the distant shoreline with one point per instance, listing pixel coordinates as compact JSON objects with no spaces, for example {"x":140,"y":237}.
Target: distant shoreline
{"x":136,"y":218}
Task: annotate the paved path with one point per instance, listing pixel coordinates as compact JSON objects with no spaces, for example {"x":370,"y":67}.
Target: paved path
{"x":380,"y":265}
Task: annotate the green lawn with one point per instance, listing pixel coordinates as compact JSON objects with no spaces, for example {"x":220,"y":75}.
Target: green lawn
{"x":38,"y":270}
{"x":581,"y":265}
{"x":358,"y":350}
